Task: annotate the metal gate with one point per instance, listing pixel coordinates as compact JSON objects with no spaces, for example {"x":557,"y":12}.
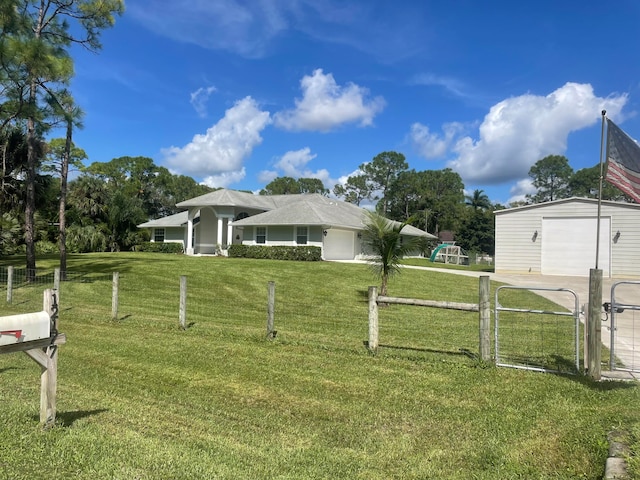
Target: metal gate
{"x":624,"y":326}
{"x":548,"y":343}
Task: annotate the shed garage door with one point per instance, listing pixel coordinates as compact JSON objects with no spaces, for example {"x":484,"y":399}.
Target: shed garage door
{"x":339,"y":245}
{"x":569,"y":246}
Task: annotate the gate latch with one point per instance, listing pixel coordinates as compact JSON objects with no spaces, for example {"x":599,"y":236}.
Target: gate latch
{"x":607,"y":308}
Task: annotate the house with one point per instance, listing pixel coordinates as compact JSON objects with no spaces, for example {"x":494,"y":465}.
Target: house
{"x":559,"y":238}
{"x":169,"y":229}
{"x":218,"y":219}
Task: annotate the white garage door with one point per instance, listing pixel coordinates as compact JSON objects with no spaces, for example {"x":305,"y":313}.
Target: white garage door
{"x":339,"y":245}
{"x":569,"y":246}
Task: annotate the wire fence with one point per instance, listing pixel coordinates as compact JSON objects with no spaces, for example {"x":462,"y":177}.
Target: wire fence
{"x":324,"y":319}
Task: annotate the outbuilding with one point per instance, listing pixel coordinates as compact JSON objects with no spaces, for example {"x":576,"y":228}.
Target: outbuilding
{"x":559,"y":238}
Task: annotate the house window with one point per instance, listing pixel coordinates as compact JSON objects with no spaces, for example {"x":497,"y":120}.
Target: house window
{"x":301,"y":235}
{"x":158,"y":235}
{"x":261,"y":234}
{"x":241,"y":215}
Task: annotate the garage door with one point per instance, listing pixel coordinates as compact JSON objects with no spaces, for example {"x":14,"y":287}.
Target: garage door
{"x":338,"y":245}
{"x":569,"y":246}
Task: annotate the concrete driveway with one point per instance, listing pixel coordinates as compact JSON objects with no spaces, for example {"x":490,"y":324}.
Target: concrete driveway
{"x":627,"y":335}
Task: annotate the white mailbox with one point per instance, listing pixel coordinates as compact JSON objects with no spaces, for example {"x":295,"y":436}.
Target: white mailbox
{"x":24,"y":328}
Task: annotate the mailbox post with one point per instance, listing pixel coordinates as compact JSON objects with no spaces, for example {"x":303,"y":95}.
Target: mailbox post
{"x":36,"y":334}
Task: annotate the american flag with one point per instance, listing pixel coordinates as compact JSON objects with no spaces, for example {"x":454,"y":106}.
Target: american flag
{"x":623,"y":161}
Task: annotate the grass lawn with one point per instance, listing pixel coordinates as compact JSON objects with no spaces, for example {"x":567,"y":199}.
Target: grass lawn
{"x":425,"y":262}
{"x":138,"y":398}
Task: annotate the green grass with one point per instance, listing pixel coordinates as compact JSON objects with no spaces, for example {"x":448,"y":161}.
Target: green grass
{"x":138,"y":398}
{"x":425,"y":262}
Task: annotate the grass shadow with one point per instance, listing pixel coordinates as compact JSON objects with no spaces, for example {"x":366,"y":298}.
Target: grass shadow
{"x":6,"y":369}
{"x":67,"y":419}
{"x":463,"y":352}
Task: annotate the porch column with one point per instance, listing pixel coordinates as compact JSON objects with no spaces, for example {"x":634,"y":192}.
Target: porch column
{"x":188,"y":247}
{"x":229,"y":232}
{"x":219,"y":233}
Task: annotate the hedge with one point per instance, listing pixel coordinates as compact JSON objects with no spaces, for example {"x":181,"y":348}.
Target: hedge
{"x":277,"y":252}
{"x":159,"y":247}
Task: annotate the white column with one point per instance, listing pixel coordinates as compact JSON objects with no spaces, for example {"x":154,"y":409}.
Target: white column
{"x":188,"y":246}
{"x":229,"y":232}
{"x":219,"y":233}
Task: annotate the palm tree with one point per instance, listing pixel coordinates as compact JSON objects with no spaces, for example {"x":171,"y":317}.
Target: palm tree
{"x":478,"y":200}
{"x":387,"y":246}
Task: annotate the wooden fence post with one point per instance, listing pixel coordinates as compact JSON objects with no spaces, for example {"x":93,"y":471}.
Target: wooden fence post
{"x":47,"y":358}
{"x":271,"y":304}
{"x":183,"y":302}
{"x":114,"y":295}
{"x":56,"y":283}
{"x":10,"y":284}
{"x":484,"y":308}
{"x":594,"y":328}
{"x":373,"y":319}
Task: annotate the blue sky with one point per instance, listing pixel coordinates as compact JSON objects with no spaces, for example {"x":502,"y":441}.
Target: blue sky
{"x":237,"y":92}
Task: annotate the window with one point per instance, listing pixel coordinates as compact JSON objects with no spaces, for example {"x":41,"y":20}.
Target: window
{"x":241,"y":215}
{"x":158,"y":235}
{"x":301,"y":235}
{"x":261,"y":234}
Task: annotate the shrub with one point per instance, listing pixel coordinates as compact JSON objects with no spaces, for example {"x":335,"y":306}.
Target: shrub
{"x":277,"y":252}
{"x":159,"y":247}
{"x":44,"y":247}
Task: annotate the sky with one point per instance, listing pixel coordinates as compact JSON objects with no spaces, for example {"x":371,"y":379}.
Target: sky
{"x":235,"y":93}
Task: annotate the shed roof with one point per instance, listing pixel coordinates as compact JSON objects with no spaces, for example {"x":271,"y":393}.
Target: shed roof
{"x":593,"y":201}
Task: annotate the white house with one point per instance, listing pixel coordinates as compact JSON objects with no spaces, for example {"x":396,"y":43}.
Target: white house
{"x":559,"y":238}
{"x":225,"y":217}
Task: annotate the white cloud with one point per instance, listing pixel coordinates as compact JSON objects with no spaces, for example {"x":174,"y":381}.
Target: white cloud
{"x":266,"y":176}
{"x":326,"y":105}
{"x":219,"y":153}
{"x":224,"y":179}
{"x":199,"y":99}
{"x":452,"y":85}
{"x":292,"y":162}
{"x":221,"y":25}
{"x":251,"y":28}
{"x":432,"y":145}
{"x":521,"y":189}
{"x":519,"y":131}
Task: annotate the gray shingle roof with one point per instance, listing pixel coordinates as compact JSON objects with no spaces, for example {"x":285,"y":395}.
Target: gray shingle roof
{"x":176,"y":220}
{"x":304,"y":209}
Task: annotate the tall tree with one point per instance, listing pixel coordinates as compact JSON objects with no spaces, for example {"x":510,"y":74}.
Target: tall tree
{"x":63,"y":154}
{"x":290,"y":185}
{"x":34,"y":55}
{"x":355,"y":190}
{"x":382,"y":172}
{"x":585,"y":183}
{"x":477,"y":232}
{"x":478,"y":200}
{"x":312,"y":185}
{"x":550,"y":176}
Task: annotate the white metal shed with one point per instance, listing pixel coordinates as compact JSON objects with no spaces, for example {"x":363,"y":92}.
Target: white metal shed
{"x":559,"y":238}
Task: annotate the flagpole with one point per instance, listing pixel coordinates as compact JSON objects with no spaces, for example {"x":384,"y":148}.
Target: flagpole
{"x":604,"y":113}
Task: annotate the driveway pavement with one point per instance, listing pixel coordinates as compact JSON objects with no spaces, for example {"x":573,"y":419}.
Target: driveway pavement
{"x":627,"y":342}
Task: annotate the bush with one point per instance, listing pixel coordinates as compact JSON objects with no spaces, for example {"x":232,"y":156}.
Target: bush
{"x":159,"y":247}
{"x":277,"y":252}
{"x":44,"y":247}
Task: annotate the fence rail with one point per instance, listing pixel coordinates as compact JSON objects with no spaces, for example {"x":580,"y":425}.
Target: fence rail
{"x":482,"y":307}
